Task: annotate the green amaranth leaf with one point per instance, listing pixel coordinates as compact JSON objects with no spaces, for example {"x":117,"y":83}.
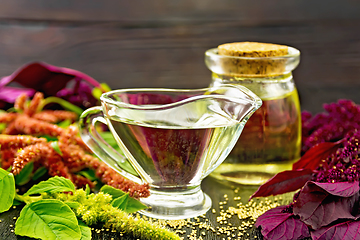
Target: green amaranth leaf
{"x":105,"y":87}
{"x":65,"y":104}
{"x":2,"y":126}
{"x":49,"y":138}
{"x":128,"y":204}
{"x":87,"y":189}
{"x":114,"y":192}
{"x":119,"y":202}
{"x":89,"y":174}
{"x":97,"y":92}
{"x":73,"y":205}
{"x":55,"y":146}
{"x":65,"y":123}
{"x":25,"y":174}
{"x":48,"y":219}
{"x":52,"y":185}
{"x":7,"y":190}
{"x":12,"y":109}
{"x":39,"y":173}
{"x":122,"y":200}
{"x":17,"y":202}
{"x":109,"y":139}
{"x":85,"y":231}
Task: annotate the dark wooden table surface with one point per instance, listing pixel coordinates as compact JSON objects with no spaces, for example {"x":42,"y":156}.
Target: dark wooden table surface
{"x":222,"y":221}
{"x":161,"y":43}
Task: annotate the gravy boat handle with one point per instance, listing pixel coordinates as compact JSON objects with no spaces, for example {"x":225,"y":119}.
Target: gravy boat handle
{"x":99,"y":146}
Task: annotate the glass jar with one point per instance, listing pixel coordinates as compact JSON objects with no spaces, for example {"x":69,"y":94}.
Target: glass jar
{"x":271,"y":139}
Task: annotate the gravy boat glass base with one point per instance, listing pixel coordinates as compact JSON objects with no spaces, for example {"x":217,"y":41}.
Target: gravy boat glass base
{"x":176,"y":205}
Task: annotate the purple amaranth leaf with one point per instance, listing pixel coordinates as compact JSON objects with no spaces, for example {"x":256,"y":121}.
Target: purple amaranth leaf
{"x":42,"y":75}
{"x":276,"y":224}
{"x":317,"y":207}
{"x":341,"y":189}
{"x":80,"y":95}
{"x":313,"y":157}
{"x":283,"y":182}
{"x":49,"y":80}
{"x":9,"y":94}
{"x":344,"y":230}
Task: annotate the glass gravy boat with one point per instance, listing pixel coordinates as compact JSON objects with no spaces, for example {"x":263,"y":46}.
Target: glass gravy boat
{"x":173,"y":139}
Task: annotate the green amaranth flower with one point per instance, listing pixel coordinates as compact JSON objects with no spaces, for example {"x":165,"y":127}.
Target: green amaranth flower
{"x":97,"y":209}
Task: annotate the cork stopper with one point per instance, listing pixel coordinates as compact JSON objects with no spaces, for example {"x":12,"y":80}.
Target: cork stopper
{"x":253,"y":58}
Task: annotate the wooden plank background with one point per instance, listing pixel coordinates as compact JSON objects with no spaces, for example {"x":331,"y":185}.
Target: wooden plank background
{"x":162,"y":43}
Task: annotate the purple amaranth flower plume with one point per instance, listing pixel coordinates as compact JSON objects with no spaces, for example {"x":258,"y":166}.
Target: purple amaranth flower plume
{"x":329,"y":126}
{"x":343,"y":165}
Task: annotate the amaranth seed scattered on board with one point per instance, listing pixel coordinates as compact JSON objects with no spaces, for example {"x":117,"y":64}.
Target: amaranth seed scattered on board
{"x":247,"y":213}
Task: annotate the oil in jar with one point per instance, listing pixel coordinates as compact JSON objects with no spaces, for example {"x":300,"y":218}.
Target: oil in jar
{"x":270,"y":142}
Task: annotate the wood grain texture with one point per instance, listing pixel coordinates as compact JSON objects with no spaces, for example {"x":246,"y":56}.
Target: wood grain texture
{"x":173,"y":11}
{"x":162,"y":43}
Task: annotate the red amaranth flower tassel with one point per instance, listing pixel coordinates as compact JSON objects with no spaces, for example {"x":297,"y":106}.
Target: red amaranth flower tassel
{"x":29,"y":154}
{"x":30,"y":126}
{"x":55,"y":166}
{"x":54,"y":116}
{"x":112,"y":178}
{"x":20,"y":102}
{"x":18,"y":141}
{"x":76,"y":158}
{"x":7,"y":158}
{"x":8,"y":117}
{"x":34,"y":104}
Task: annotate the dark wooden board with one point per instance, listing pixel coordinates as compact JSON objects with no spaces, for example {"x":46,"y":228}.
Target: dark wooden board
{"x":162,"y":43}
{"x":173,"y":56}
{"x":248,"y":12}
